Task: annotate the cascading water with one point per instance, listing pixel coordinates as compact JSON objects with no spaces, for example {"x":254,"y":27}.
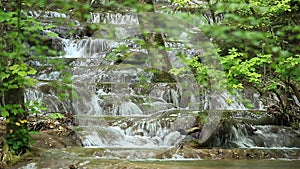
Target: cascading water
{"x":134,"y":110}
{"x":87,"y":48}
{"x":120,"y":105}
{"x":261,"y":136}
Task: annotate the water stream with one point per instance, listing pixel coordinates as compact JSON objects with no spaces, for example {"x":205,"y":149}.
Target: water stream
{"x":123,"y":105}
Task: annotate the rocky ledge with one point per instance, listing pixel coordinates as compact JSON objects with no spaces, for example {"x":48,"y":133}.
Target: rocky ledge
{"x":53,"y":137}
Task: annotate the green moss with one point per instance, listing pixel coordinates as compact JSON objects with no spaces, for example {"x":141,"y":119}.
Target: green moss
{"x":10,"y":160}
{"x":85,"y":152}
{"x":78,"y":129}
{"x":113,"y":118}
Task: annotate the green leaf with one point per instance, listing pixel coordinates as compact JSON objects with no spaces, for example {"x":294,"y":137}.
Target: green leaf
{"x":22,"y":73}
{"x":15,"y":68}
{"x":4,"y":113}
{"x":34,"y":132}
{"x":15,"y":146}
{"x":4,"y":16}
{"x":30,"y":82}
{"x":4,"y":75}
{"x":56,"y":116}
{"x":49,"y":27}
{"x":52,"y":34}
{"x":31,"y":72}
{"x":21,"y":110}
{"x":15,"y":111}
{"x":14,"y":86}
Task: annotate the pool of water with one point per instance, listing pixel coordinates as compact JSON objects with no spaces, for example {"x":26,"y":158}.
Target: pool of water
{"x":89,"y":159}
{"x":195,"y":164}
{"x":229,"y":164}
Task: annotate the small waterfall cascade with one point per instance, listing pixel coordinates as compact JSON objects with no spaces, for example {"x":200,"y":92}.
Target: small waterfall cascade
{"x":243,"y":135}
{"x":119,"y":101}
{"x":112,"y":107}
{"x":240,"y":137}
{"x":275,"y":137}
{"x":87,"y":48}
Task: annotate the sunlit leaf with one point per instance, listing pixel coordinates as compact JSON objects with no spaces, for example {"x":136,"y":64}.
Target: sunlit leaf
{"x":22,"y":73}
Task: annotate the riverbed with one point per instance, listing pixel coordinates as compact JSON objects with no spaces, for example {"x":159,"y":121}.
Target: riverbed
{"x":82,"y":158}
{"x":189,"y":164}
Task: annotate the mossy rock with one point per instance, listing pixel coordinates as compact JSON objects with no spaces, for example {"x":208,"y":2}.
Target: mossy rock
{"x":161,"y":76}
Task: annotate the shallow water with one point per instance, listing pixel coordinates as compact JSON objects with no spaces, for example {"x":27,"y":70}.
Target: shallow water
{"x":95,"y":158}
{"x":63,"y":160}
{"x":231,"y":164}
{"x":202,"y":164}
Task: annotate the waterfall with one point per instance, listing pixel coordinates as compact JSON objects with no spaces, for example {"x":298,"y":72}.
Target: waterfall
{"x":87,"y":48}
{"x":127,"y":108}
{"x":45,"y":96}
{"x":275,"y":136}
{"x":120,"y":103}
{"x":85,"y":102}
{"x":47,"y":14}
{"x":240,"y":137}
{"x":113,"y":18}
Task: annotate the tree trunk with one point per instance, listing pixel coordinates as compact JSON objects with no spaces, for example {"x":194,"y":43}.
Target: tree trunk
{"x":154,"y":41}
{"x":16,"y":127}
{"x":17,"y":135}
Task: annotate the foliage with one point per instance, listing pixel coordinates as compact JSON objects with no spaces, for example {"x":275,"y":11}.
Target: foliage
{"x":199,"y":70}
{"x":35,"y":107}
{"x":14,"y":77}
{"x":181,"y":2}
{"x":259,"y":48}
{"x":258,"y":42}
{"x":19,"y":73}
{"x":55,"y":116}
{"x":22,"y":40}
{"x":17,"y":136}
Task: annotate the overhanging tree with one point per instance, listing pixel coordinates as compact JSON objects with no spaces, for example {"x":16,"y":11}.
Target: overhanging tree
{"x":22,"y":40}
{"x":14,"y":74}
{"x":259,"y":48}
